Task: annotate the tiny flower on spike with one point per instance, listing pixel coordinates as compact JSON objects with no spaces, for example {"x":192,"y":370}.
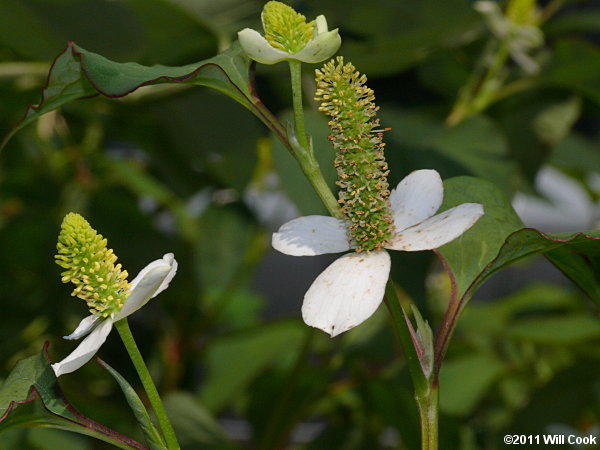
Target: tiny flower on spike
{"x":349,"y":291}
{"x":90,"y":266}
{"x":289,"y":37}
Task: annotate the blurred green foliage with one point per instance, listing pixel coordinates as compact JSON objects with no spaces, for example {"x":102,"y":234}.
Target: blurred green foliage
{"x":175,"y":168}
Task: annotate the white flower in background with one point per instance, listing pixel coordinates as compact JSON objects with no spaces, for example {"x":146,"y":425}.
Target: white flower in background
{"x":103,"y":285}
{"x":564,"y":205}
{"x":268,"y":202}
{"x":519,"y":28}
{"x":264,"y":195}
{"x":289,"y":37}
{"x":349,"y":291}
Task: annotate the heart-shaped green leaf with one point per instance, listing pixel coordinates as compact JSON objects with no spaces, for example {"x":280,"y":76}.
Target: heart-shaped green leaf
{"x":467,"y":256}
{"x":31,"y":397}
{"x":498,"y":240}
{"x":77,"y":73}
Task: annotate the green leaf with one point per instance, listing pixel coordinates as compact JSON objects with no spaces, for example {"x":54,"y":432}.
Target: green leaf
{"x":485,"y":318}
{"x":425,"y":338}
{"x":554,"y":123}
{"x":444,"y":74}
{"x":406,"y":335}
{"x":567,"y":70}
{"x":44,"y":439}
{"x":237,"y":306}
{"x":571,"y":329}
{"x":475,"y":147}
{"x":77,"y":73}
{"x":565,"y":399}
{"x":577,"y":152}
{"x":586,"y":21}
{"x":228,"y":236}
{"x":235,"y":360}
{"x":151,"y":434}
{"x":470,"y":254}
{"x":31,"y":397}
{"x":577,"y":255}
{"x":23,"y":32}
{"x":516,"y":115}
{"x":407,"y":33}
{"x":136,"y":179}
{"x":496,"y":242}
{"x":168,"y":33}
{"x":465,"y":381}
{"x":480,"y":146}
{"x":195,"y":426}
{"x":37,"y":29}
{"x":224,"y":157}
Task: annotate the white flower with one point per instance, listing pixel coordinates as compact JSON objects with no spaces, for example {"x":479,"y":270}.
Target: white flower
{"x":522,"y":38}
{"x":322,"y":46}
{"x":152,"y":279}
{"x":349,"y":291}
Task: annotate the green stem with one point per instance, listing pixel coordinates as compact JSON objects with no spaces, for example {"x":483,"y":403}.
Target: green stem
{"x":122,"y":327}
{"x":296,"y":74}
{"x":429,"y":412}
{"x":426,"y":389}
{"x":514,"y":88}
{"x":480,"y":90}
{"x":302,"y":148}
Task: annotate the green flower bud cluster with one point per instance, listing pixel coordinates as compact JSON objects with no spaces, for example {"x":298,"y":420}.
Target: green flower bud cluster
{"x":360,"y":161}
{"x":286,"y":29}
{"x":90,"y":266}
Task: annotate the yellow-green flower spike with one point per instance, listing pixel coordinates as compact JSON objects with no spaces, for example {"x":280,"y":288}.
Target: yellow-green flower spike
{"x":90,"y":266}
{"x":523,"y":12}
{"x":360,"y":162}
{"x":286,"y":29}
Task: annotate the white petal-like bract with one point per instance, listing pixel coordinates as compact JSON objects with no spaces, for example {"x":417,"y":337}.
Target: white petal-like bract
{"x":85,"y":350}
{"x":437,"y":230}
{"x":84,"y":327}
{"x":259,"y":49}
{"x":151,"y":281}
{"x":321,"y":25}
{"x":312,"y":235}
{"x":320,"y":48}
{"x":347,"y":293}
{"x":416,"y":198}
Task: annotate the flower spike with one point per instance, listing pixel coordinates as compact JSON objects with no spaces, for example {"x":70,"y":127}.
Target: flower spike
{"x":360,"y":161}
{"x":286,"y":29}
{"x":90,"y":266}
